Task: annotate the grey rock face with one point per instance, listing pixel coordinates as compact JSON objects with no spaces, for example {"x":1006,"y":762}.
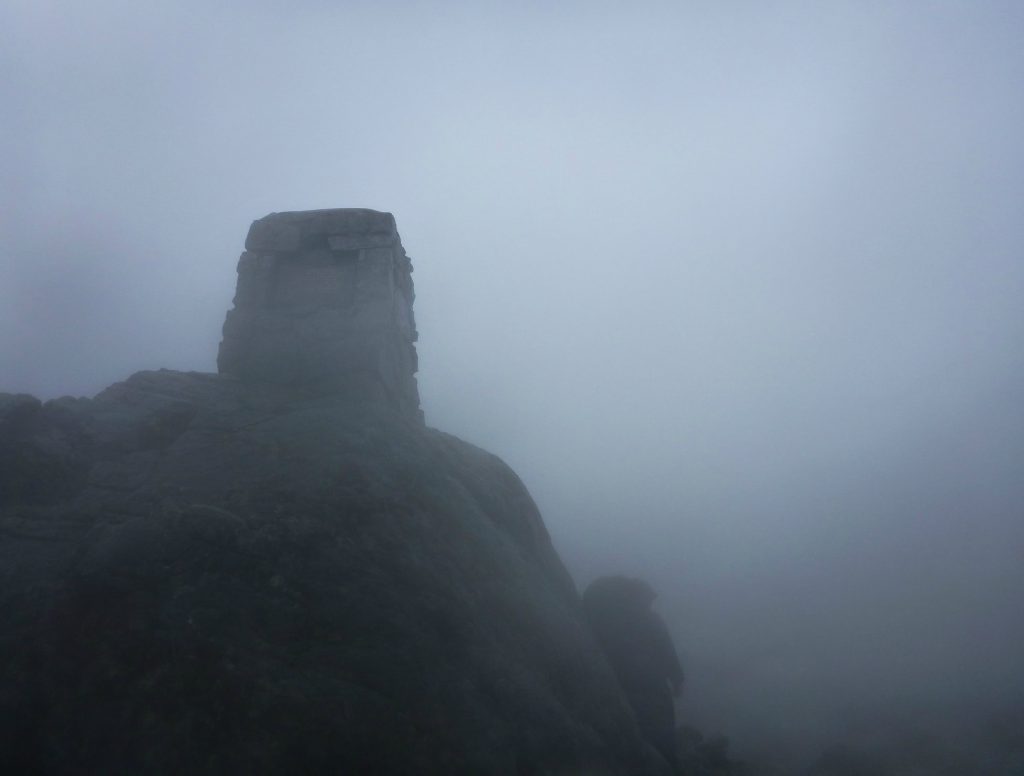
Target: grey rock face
{"x":324,"y":301}
{"x":280,"y":568}
{"x":249,"y":579}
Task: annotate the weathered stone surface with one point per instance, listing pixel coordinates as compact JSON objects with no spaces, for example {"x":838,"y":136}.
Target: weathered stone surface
{"x":299,"y":230}
{"x":324,"y":300}
{"x":41,"y":454}
{"x":346,"y":242}
{"x":280,"y":568}
{"x":252,"y":579}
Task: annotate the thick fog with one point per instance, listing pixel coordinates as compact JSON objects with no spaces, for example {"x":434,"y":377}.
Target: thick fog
{"x":736,"y":288}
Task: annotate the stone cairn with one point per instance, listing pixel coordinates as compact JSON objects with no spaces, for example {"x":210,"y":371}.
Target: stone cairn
{"x":324,"y":303}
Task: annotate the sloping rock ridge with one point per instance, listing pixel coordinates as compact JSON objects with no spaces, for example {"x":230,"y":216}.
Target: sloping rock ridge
{"x":236,"y":573}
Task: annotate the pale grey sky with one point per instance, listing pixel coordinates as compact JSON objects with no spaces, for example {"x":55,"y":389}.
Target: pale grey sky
{"x":735,"y":287}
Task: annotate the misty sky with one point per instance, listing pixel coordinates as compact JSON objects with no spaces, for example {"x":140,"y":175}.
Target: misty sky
{"x":735,"y":287}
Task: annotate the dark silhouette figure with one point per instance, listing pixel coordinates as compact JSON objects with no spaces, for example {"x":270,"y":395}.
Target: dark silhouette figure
{"x":641,"y":653}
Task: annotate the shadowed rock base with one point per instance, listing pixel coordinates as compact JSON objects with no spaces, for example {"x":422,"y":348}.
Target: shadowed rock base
{"x":247,"y":580}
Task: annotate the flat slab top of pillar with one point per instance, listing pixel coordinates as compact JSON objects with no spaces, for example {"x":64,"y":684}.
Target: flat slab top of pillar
{"x":301,"y":229}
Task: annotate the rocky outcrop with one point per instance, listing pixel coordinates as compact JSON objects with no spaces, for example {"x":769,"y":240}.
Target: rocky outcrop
{"x":324,"y":300}
{"x":239,"y":573}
